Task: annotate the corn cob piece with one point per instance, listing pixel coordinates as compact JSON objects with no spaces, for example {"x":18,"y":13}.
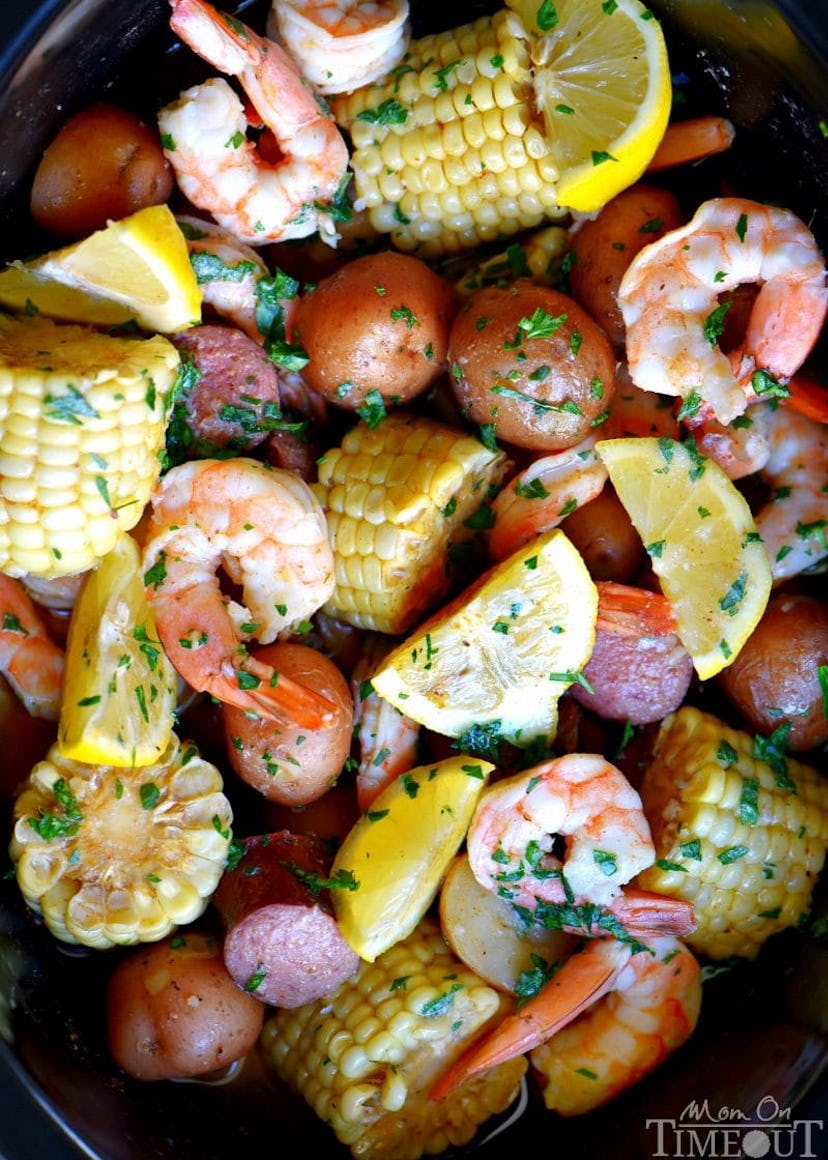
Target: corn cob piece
{"x":539,"y":256}
{"x":396,"y":498}
{"x":83,"y":421}
{"x":446,"y":150}
{"x":110,"y":856}
{"x":740,"y":837}
{"x":366,"y":1057}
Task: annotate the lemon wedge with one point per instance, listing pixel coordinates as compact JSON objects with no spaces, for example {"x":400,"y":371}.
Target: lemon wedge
{"x":702,"y":541}
{"x":136,"y":270}
{"x":500,"y":655}
{"x":120,"y":690}
{"x":602,"y":82}
{"x":396,"y":854}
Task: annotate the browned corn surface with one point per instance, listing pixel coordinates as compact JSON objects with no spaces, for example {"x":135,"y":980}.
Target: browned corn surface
{"x":396,"y":498}
{"x":112,"y":856}
{"x":742,"y":839}
{"x":446,"y":150}
{"x":82,"y":422}
{"x":366,"y":1057}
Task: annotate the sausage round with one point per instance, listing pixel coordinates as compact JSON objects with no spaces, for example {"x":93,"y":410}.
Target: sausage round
{"x":234,"y":400}
{"x":282,"y":943}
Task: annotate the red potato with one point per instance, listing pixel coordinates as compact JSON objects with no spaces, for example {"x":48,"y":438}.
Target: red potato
{"x":603,"y":533}
{"x":105,"y":163}
{"x":174,"y":1011}
{"x":378,"y":324}
{"x":285,"y":764}
{"x":282,"y":942}
{"x":529,"y":361}
{"x":775,"y":678}
{"x":604,"y":246}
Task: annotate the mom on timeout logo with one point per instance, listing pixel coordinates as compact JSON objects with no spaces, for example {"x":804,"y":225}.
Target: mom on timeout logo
{"x":700,"y":1133}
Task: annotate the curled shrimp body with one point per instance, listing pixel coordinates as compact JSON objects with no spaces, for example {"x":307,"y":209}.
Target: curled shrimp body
{"x":342,"y":44}
{"x":227,"y":271}
{"x":793,"y":523}
{"x":29,"y":659}
{"x":580,"y":796}
{"x":543,"y":495}
{"x":669,"y":301}
{"x":609,"y":1015}
{"x":205,"y":133}
{"x":265,"y":528}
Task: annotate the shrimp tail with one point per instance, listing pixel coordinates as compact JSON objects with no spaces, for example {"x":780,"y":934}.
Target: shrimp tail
{"x":641,"y":912}
{"x":581,"y":981}
{"x":260,"y":689}
{"x":627,"y":611}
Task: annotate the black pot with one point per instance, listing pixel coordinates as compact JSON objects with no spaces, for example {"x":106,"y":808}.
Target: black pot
{"x":758,"y":1045}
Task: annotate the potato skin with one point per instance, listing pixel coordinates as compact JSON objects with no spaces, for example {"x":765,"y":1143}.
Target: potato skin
{"x":174,"y":1011}
{"x":775,"y":678}
{"x":604,"y":246}
{"x":288,"y":765}
{"x":541,"y":391}
{"x":604,"y":534}
{"x":379,"y":323}
{"x":104,"y":163}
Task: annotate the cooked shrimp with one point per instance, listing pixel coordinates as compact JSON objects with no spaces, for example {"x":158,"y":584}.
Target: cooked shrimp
{"x":227,"y":271}
{"x":741,"y":448}
{"x":669,"y":300}
{"x":388,"y":740}
{"x":635,"y":412}
{"x":267,"y":530}
{"x":580,"y":796}
{"x":205,"y":135}
{"x":543,"y":495}
{"x":794,"y":522}
{"x":342,"y":44}
{"x":29,"y":659}
{"x":612,"y":1013}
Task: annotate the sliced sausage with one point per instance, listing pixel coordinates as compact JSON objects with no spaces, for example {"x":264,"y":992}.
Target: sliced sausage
{"x":234,"y":400}
{"x":282,"y":943}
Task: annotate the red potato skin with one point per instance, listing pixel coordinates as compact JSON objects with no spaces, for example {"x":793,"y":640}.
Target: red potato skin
{"x":173,"y":1011}
{"x":103,"y":164}
{"x":775,"y":678}
{"x":377,"y":324}
{"x":287,"y":765}
{"x":604,"y":246}
{"x":543,"y":392}
{"x":282,"y":942}
{"x":603,"y":533}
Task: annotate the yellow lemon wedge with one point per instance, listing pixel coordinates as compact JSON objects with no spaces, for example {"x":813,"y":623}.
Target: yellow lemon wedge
{"x":136,"y":270}
{"x":702,"y":540}
{"x":601,"y":78}
{"x":120,"y":690}
{"x":500,"y":655}
{"x":395,"y":856}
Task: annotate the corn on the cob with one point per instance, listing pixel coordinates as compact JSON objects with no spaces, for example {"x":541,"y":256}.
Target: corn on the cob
{"x":446,"y":150}
{"x":539,"y":256}
{"x":112,"y":856}
{"x":83,"y":421}
{"x":396,"y":498}
{"x":740,"y":831}
{"x":366,"y":1057}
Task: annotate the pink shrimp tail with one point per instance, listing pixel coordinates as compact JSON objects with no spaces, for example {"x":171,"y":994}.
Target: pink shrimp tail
{"x":582,"y":980}
{"x":624,"y":610}
{"x":258,"y":688}
{"x":642,"y":912}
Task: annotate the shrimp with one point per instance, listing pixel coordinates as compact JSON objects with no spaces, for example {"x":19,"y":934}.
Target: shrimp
{"x":609,"y":1015}
{"x":543,"y":495}
{"x":669,"y":301}
{"x":267,"y":530}
{"x":227,"y":270}
{"x":794,"y":522}
{"x":741,"y":448}
{"x":218,"y":168}
{"x":581,"y":796}
{"x":342,"y":44}
{"x":388,"y":740}
{"x":29,"y":659}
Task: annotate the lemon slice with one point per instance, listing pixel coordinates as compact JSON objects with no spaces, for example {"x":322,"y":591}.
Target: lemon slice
{"x":602,"y":81}
{"x":135,"y":270}
{"x":702,"y":541}
{"x":500,"y":655}
{"x":397,"y":853}
{"x":120,"y":690}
